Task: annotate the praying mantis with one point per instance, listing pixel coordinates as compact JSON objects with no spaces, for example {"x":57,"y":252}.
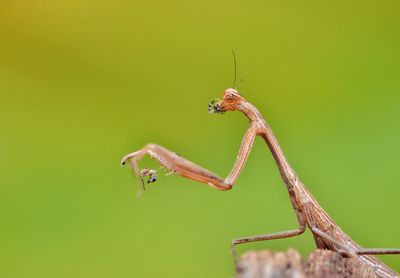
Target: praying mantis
{"x":309,"y":213}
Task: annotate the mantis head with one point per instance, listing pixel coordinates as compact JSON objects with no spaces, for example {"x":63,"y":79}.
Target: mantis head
{"x":230,"y":102}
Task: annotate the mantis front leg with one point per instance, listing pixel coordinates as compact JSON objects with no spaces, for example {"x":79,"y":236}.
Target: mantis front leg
{"x":185,"y":168}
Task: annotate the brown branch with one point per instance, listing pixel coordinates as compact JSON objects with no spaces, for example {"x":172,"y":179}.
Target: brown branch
{"x":319,"y":264}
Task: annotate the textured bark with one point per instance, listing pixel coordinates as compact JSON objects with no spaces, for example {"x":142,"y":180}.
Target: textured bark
{"x":319,"y":264}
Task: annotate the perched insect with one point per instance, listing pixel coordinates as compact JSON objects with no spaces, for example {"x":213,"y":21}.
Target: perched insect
{"x":327,"y":234}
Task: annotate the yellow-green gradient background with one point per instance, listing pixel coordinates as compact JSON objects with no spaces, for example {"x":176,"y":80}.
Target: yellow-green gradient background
{"x":84,"y":82}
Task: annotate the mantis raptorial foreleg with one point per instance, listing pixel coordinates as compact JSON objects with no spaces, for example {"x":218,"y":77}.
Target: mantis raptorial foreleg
{"x":185,"y":168}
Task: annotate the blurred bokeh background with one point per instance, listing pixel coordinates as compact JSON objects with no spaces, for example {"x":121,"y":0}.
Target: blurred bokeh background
{"x":84,"y":82}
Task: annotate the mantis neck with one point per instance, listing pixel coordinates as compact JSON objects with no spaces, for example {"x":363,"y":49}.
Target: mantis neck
{"x":299,"y":195}
{"x":288,"y":174}
{"x":292,"y":182}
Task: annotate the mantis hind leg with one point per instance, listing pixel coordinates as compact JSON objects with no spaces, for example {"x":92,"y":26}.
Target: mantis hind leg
{"x":359,"y":251}
{"x":378,"y":251}
{"x":341,"y":247}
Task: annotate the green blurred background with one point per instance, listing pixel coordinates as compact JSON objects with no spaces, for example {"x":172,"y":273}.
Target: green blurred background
{"x":84,"y":82}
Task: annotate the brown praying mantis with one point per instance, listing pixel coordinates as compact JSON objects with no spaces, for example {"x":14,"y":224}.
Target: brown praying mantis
{"x":309,"y":213}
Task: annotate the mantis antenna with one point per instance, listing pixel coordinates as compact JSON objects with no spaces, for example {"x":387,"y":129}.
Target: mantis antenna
{"x":234,"y":66}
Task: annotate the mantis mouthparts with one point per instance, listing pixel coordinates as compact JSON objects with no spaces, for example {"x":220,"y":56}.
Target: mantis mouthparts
{"x":213,"y":106}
